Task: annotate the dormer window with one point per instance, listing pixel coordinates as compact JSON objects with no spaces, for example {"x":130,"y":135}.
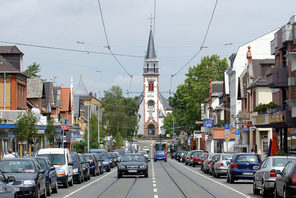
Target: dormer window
{"x":151,"y":86}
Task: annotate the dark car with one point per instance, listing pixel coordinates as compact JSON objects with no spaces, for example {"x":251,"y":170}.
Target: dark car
{"x":7,"y":190}
{"x":132,"y":164}
{"x":50,"y":173}
{"x":178,"y":155}
{"x":113,"y":159}
{"x":85,"y":168}
{"x":243,"y":166}
{"x":29,"y":176}
{"x":106,"y":161}
{"x":99,"y":158}
{"x":285,"y":183}
{"x":77,"y":168}
{"x":93,"y":164}
{"x":183,"y":156}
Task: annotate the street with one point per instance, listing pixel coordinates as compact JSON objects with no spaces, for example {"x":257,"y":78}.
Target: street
{"x":166,"y":179}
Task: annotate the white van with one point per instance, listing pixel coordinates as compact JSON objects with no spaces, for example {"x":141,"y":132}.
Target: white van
{"x":61,"y":160}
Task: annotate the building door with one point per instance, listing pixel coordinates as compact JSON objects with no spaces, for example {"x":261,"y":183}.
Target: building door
{"x":151,"y":129}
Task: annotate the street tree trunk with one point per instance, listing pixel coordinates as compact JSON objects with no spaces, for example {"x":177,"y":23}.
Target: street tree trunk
{"x":21,"y":150}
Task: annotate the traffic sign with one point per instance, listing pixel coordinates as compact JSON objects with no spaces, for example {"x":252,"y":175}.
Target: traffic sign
{"x":236,"y":132}
{"x":227,"y":131}
{"x":226,"y":126}
{"x":175,"y":133}
{"x":227,"y":138}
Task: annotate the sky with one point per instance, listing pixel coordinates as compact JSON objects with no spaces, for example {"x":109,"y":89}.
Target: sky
{"x":180,"y":26}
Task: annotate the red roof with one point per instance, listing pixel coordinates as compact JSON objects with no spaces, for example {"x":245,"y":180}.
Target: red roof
{"x":65,"y":99}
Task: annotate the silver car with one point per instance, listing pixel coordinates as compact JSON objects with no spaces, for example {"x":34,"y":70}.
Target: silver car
{"x":265,"y":176}
{"x":207,"y":162}
{"x":221,"y":165}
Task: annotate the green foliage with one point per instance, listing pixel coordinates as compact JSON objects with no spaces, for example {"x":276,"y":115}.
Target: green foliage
{"x":118,"y":140}
{"x":261,"y":108}
{"x":139,"y":135}
{"x":25,"y":128}
{"x":220,"y":123}
{"x":271,"y":105}
{"x":50,"y":131}
{"x":79,"y":146}
{"x":120,"y":114}
{"x":187,"y":100}
{"x":168,"y":124}
{"x":281,"y":153}
{"x":33,"y":70}
{"x":93,"y":129}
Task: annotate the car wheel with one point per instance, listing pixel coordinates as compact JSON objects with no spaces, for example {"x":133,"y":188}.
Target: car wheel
{"x":55,"y":189}
{"x":95,"y":172}
{"x":108,"y":170}
{"x":66,"y":184}
{"x":71,"y":182}
{"x":146,"y":174}
{"x":231,"y":180}
{"x":165,"y":160}
{"x":155,"y":160}
{"x":79,"y":181}
{"x":193,"y":165}
{"x":119,"y":175}
{"x":217,"y":175}
{"x":48,"y":189}
{"x":255,"y":190}
{"x":284,"y":193}
{"x":263,"y":190}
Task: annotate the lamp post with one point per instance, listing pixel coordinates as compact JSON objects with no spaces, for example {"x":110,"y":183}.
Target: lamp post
{"x":88,"y":128}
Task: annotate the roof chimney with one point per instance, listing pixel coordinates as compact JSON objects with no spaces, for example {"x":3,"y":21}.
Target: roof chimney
{"x":250,"y":65}
{"x":249,"y":55}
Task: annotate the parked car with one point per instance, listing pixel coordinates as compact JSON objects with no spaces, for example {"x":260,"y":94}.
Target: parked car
{"x":160,"y":155}
{"x":29,"y":176}
{"x":285,"y":183}
{"x":132,"y":164}
{"x":60,"y":158}
{"x":145,"y":155}
{"x":178,"y":155}
{"x":50,"y":174}
{"x":183,"y":156}
{"x":207,"y":162}
{"x":221,"y":165}
{"x":77,"y":168}
{"x":93,"y":165}
{"x":265,"y":176}
{"x":85,"y":167}
{"x":107,"y":159}
{"x":213,"y":162}
{"x":243,"y":166}
{"x":204,"y":157}
{"x":187,"y":158}
{"x":99,"y":159}
{"x":195,"y":159}
{"x":115,"y":158}
{"x":6,"y":184}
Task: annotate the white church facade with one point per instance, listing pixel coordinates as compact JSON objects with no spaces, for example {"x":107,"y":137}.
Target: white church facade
{"x":153,"y":107}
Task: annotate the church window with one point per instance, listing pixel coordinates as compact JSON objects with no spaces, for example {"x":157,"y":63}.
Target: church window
{"x":150,"y":104}
{"x":150,"y":86}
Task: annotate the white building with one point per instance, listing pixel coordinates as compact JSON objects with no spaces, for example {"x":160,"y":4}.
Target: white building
{"x":238,"y":62}
{"x":153,"y":107}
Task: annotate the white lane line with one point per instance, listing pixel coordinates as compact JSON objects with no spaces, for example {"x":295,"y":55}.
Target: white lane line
{"x":215,"y":181}
{"x":155,"y":196}
{"x":89,"y":184}
{"x":154,"y":189}
{"x":154,"y":185}
{"x":153,"y":181}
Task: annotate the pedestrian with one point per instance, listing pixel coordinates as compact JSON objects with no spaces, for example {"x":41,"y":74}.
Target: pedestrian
{"x":9,"y":155}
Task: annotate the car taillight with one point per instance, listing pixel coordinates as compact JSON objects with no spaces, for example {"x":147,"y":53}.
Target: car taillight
{"x":294,"y":179}
{"x":187,"y":157}
{"x":233,"y":165}
{"x":92,"y":161}
{"x":202,"y":161}
{"x":209,"y":162}
{"x":154,"y":155}
{"x":221,"y":164}
{"x":164,"y":156}
{"x":272,"y":173}
{"x":214,"y":163}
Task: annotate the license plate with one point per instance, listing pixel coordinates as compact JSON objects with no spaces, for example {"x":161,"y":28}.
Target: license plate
{"x":132,"y":171}
{"x":247,"y":173}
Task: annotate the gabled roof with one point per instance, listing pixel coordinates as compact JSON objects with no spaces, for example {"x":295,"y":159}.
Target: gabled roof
{"x":6,"y":66}
{"x":81,"y":88}
{"x":34,"y":87}
{"x":9,"y":50}
{"x":140,"y":99}
{"x":49,"y":98}
{"x":164,"y":102}
{"x":217,"y":88}
{"x":150,"y":54}
{"x":65,"y":99}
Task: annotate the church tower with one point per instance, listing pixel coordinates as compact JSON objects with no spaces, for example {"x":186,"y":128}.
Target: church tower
{"x":152,"y":105}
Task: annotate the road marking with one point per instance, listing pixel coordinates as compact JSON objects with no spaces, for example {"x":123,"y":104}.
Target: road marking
{"x":155,"y":196}
{"x":154,"y":189}
{"x":154,"y":185}
{"x":215,"y":181}
{"x":89,"y":184}
{"x":153,"y":181}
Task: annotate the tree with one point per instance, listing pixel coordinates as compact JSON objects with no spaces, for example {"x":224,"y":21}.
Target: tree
{"x":187,"y":100}
{"x":25,"y":129}
{"x":33,"y":70}
{"x":119,"y":113}
{"x":118,"y":140}
{"x":93,"y":130}
{"x":168,"y":124}
{"x":50,"y":131}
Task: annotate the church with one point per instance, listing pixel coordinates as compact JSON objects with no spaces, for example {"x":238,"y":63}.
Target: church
{"x":153,"y":107}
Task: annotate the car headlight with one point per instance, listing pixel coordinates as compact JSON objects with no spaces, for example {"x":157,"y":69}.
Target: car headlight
{"x":121,"y":167}
{"x":61,"y":172}
{"x":143,"y":167}
{"x":2,"y":188}
{"x":75,"y":170}
{"x":29,"y":182}
{"x":110,"y":161}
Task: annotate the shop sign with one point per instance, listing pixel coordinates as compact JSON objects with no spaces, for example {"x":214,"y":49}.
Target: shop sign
{"x":276,"y":118}
{"x":260,"y":119}
{"x":249,"y":123}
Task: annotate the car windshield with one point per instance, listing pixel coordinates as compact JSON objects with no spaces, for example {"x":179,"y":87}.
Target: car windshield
{"x":55,"y":159}
{"x":160,"y":152}
{"x":74,"y":157}
{"x":42,"y":163}
{"x":226,"y":157}
{"x":133,"y":158}
{"x":104,"y":155}
{"x":17,"y":166}
{"x":87,"y":157}
{"x":281,"y":161}
{"x":247,"y":158}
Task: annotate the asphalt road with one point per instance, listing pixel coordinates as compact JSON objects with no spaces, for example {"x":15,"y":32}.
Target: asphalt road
{"x":166,"y":180}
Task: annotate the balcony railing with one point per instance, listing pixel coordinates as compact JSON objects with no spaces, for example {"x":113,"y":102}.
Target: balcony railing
{"x":150,"y":70}
{"x":277,"y":77}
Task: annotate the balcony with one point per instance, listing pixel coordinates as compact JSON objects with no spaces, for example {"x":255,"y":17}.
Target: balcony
{"x":277,"y":77}
{"x":150,"y":70}
{"x":287,"y":34}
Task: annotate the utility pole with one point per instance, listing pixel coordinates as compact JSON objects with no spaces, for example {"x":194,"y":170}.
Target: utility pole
{"x":99,"y":127}
{"x":88,"y":129}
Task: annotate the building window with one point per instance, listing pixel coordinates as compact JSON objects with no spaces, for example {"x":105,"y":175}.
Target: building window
{"x":150,"y":104}
{"x":150,"y":86}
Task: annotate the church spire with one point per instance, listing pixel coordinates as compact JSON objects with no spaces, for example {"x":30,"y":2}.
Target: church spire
{"x":150,"y":54}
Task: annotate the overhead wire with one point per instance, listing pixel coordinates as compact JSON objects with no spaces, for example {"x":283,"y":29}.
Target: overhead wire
{"x":202,"y":45}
